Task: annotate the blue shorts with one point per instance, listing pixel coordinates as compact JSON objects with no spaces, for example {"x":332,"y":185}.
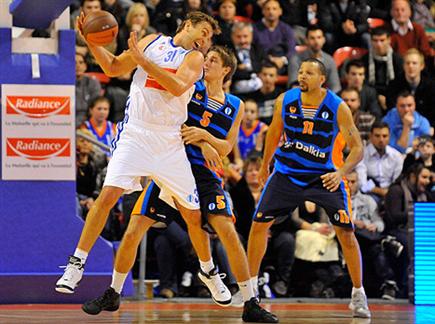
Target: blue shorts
{"x":212,"y":198}
{"x":281,"y":196}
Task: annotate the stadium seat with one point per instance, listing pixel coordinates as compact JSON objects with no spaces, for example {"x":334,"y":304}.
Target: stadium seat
{"x":100,"y":76}
{"x":375,"y":22}
{"x":242,"y":19}
{"x":282,"y":80}
{"x":347,"y":52}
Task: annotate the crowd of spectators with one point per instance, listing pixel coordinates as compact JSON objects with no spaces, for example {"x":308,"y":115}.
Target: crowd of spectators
{"x":388,"y":87}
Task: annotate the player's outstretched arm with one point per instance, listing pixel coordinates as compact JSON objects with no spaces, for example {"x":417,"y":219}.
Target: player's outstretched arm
{"x":351,"y":136}
{"x":187,"y":74}
{"x":272,"y":139}
{"x":111,"y":65}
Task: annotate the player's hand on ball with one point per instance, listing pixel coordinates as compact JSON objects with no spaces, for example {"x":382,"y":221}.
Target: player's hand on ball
{"x":332,"y":180}
{"x":263,"y":174}
{"x":192,"y":135}
{"x":79,"y":25}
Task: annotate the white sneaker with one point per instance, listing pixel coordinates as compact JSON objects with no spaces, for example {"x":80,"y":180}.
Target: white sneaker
{"x":237,"y":300}
{"x":71,"y":277}
{"x":219,"y":292}
{"x":358,"y":305}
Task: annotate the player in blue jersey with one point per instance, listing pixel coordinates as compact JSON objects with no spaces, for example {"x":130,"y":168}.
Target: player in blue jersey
{"x":309,"y":166}
{"x":211,"y":131}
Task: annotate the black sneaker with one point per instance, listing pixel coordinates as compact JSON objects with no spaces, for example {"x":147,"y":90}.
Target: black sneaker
{"x":389,"y":289}
{"x":394,"y":246}
{"x":252,"y":312}
{"x":109,"y":302}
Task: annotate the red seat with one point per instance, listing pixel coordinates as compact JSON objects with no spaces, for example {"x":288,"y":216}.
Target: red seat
{"x":282,"y":80}
{"x":347,"y":52}
{"x":242,"y":19}
{"x":100,"y":76}
{"x":375,"y":22}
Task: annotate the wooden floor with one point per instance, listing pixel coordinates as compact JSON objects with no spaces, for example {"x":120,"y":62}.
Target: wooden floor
{"x":180,"y":311}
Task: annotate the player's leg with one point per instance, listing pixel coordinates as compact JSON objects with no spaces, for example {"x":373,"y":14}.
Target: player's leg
{"x":126,"y":254}
{"x":252,"y":311}
{"x":339,"y":208}
{"x":95,"y":221}
{"x":279,"y":198}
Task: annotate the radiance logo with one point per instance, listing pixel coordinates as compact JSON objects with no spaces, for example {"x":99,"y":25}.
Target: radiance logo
{"x":38,"y":148}
{"x":37,"y":106}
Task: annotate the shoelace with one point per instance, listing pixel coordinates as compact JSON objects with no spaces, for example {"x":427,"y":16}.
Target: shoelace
{"x":358,"y":300}
{"x":221,"y":286}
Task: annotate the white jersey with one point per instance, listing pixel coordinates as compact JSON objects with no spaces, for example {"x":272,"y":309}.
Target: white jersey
{"x":148,"y":101}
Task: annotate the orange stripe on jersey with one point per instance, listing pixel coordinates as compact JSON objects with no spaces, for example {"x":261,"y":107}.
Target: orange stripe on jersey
{"x":337,"y":150}
{"x":249,"y":131}
{"x":349,"y":200}
{"x":100,"y":130}
{"x":309,"y":107}
{"x":137,"y":209}
{"x":152,"y":83}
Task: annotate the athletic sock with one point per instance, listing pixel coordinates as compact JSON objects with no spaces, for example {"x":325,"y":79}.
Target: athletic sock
{"x":118,"y":280}
{"x":206,"y":266}
{"x":82,"y":255}
{"x":246,"y":289}
{"x":254,"y":283}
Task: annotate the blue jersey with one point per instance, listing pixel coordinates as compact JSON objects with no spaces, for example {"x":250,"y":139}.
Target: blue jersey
{"x":106,"y":135}
{"x":313,"y":142}
{"x":207,"y":113}
{"x":247,"y":139}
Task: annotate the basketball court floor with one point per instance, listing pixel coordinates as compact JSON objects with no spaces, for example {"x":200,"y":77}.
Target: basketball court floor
{"x":295,"y":311}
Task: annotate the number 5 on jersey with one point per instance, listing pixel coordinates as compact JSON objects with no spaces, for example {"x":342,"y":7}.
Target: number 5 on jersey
{"x":205,"y":121}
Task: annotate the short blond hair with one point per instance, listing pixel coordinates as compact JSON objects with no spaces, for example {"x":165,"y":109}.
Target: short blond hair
{"x":414,"y":51}
{"x":133,"y":11}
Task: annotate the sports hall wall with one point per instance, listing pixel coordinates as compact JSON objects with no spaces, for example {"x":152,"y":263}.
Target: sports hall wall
{"x":39,"y":227}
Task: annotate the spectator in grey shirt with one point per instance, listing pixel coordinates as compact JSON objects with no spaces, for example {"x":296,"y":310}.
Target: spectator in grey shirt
{"x":315,"y":41}
{"x":381,"y":165}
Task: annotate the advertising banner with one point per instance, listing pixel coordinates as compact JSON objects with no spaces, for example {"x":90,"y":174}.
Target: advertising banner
{"x":38,"y":132}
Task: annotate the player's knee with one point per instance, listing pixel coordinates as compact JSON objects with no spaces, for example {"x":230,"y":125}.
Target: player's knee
{"x":193,"y":218}
{"x":346,"y":237}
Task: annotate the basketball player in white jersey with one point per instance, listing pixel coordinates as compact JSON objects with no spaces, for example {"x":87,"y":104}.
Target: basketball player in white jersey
{"x":149,"y":141}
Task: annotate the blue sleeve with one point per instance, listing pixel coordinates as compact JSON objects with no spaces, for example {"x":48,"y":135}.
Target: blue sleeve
{"x":393,"y":137}
{"x":424,"y":126}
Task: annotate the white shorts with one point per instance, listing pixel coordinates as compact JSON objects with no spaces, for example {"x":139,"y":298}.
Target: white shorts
{"x":158,"y":153}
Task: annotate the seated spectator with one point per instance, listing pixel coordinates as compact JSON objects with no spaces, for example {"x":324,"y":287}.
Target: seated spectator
{"x":411,"y":187}
{"x":117,"y":10}
{"x":317,"y":272}
{"x":245,"y":191}
{"x":425,"y":154}
{"x":249,"y":59}
{"x":381,"y":164}
{"x":355,"y":76}
{"x":422,"y":15}
{"x":101,"y":128}
{"x":345,"y":23}
{"x":363,"y":120}
{"x":173,"y":253}
{"x":415,"y":81}
{"x":252,"y":131}
{"x":275,"y":36}
{"x":405,"y":33}
{"x":225,"y":18}
{"x":137,"y":20}
{"x":315,"y":41}
{"x":382,"y":64}
{"x":368,"y":228}
{"x":87,"y":89}
{"x":405,"y":123}
{"x":267,"y":94}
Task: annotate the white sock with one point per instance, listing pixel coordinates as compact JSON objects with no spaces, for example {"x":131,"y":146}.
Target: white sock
{"x":82,"y":255}
{"x":361,"y":290}
{"x":118,"y":280}
{"x":254,"y":283}
{"x":206,"y":266}
{"x":246,"y":289}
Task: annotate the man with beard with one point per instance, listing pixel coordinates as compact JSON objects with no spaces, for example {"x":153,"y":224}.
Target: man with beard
{"x":309,"y":166}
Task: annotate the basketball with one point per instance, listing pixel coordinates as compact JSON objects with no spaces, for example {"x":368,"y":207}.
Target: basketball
{"x":100,"y":28}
